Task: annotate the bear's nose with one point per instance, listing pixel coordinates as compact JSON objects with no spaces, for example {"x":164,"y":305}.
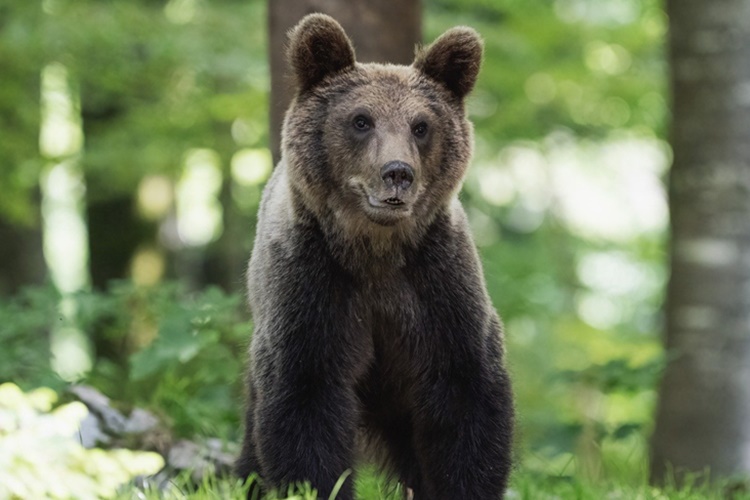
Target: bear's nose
{"x":397,"y":174}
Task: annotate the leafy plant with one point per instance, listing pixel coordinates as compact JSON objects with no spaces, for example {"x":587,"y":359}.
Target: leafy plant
{"x":25,"y":324}
{"x":184,"y":353}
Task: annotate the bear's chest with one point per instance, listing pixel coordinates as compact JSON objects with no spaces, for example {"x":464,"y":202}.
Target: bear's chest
{"x":388,"y":312}
{"x":388,"y":300}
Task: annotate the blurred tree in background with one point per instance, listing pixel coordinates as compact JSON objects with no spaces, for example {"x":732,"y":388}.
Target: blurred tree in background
{"x":135,"y":141}
{"x":704,"y":402}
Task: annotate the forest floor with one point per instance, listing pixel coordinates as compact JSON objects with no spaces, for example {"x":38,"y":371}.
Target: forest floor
{"x":523,"y":487}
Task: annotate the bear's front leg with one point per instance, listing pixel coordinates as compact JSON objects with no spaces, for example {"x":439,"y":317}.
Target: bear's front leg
{"x":306,"y":433}
{"x":463,"y":405}
{"x":306,"y":355}
{"x":463,"y":411}
{"x":463,"y":434}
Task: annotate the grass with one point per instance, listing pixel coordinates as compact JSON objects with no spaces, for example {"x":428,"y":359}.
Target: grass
{"x":542,"y":488}
{"x":524,"y":485}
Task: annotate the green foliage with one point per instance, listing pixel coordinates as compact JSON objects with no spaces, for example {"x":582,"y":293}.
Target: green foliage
{"x":180,"y":354}
{"x":185,"y":353}
{"x":25,"y":324}
{"x":20,"y":59}
{"x":41,"y":457}
{"x":617,"y":375}
{"x":524,"y":486}
{"x":156,"y":80}
{"x":586,"y":65}
{"x":581,"y":308}
{"x":532,"y":487}
{"x":153,"y":80}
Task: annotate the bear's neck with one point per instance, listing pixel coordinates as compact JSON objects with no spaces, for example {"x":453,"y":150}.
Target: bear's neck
{"x":359,"y":244}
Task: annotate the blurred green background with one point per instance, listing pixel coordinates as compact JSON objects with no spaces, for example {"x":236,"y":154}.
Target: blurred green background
{"x":134,"y":145}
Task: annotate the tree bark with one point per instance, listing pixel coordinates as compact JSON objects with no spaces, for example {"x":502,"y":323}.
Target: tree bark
{"x":703,"y":415}
{"x":382,"y":31}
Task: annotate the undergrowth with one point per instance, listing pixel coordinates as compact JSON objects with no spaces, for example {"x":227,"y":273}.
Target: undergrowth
{"x":524,"y":486}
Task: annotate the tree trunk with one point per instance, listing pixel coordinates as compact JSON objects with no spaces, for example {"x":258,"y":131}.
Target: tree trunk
{"x":703,"y":416}
{"x":21,"y":257}
{"x":382,"y":31}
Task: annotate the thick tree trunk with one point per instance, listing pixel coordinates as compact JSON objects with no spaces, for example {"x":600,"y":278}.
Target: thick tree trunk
{"x":382,"y":31}
{"x":703,"y":417}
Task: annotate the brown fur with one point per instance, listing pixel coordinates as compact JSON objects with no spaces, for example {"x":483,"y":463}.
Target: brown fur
{"x":371,"y":314}
{"x":394,"y":95}
{"x":318,"y":48}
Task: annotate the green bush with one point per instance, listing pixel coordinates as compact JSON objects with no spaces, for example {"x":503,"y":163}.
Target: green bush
{"x":180,"y":354}
{"x":25,"y":324}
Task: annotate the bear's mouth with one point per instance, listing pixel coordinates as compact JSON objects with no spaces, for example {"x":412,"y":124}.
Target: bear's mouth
{"x":390,"y":202}
{"x":385,"y":207}
{"x":386,"y":211}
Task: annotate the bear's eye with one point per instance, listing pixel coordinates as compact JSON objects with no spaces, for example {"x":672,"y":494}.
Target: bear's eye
{"x":420,"y":130}
{"x":361,"y":123}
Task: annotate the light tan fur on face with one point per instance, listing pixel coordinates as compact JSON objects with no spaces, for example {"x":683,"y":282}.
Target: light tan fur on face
{"x":390,"y":101}
{"x":335,"y":174}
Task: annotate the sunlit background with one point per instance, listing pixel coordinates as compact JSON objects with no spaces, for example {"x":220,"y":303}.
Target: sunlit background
{"x":136,"y":145}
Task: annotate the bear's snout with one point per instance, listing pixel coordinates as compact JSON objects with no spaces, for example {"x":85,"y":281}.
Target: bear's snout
{"x":397,"y":174}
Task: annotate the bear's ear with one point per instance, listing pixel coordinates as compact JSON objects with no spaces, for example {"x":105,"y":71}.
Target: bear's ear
{"x":318,"y":47}
{"x":453,"y":60}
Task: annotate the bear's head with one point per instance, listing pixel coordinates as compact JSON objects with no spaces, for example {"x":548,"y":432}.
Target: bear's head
{"x":377,"y":147}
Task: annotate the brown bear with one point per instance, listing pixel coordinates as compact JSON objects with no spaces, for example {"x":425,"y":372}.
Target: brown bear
{"x":374,"y":335}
